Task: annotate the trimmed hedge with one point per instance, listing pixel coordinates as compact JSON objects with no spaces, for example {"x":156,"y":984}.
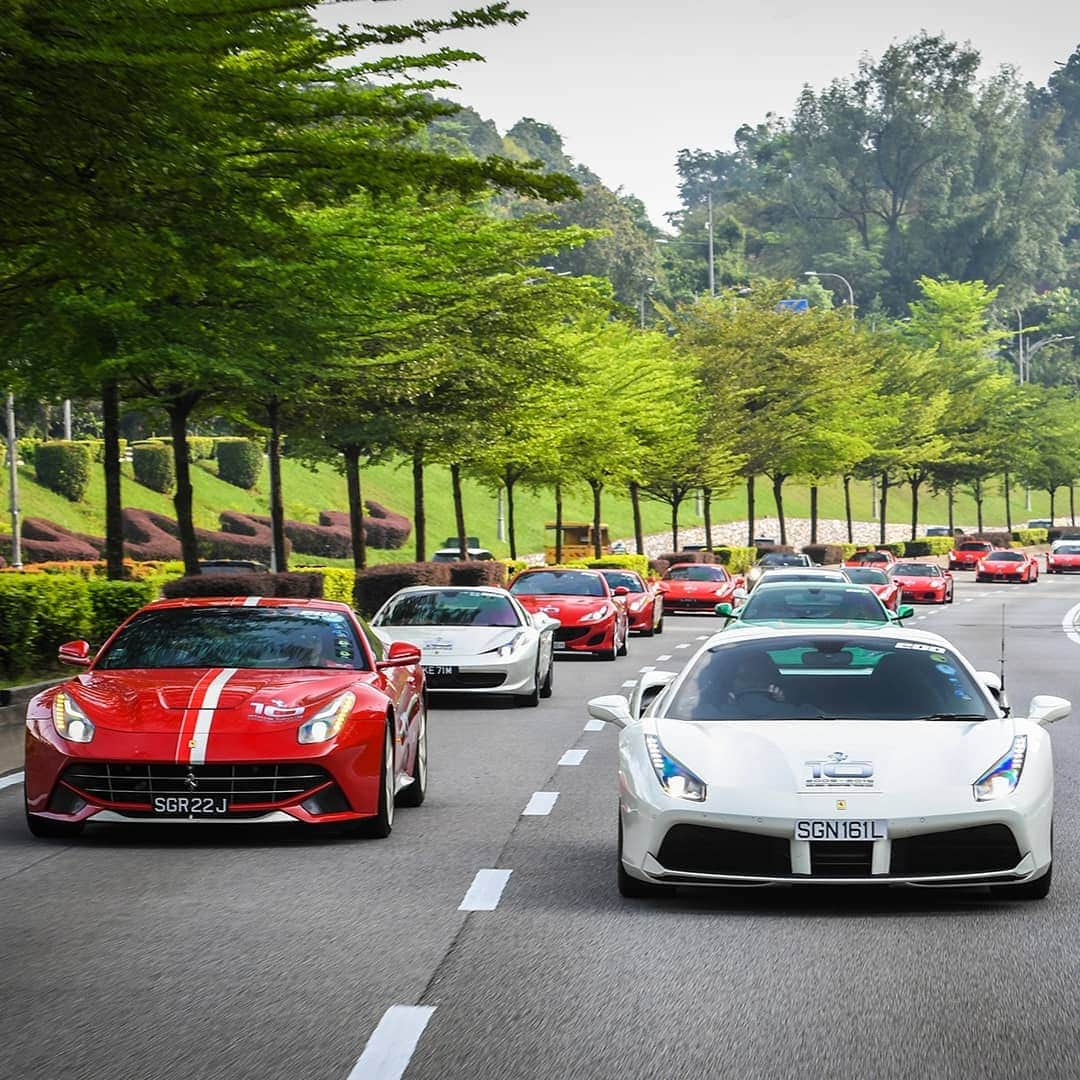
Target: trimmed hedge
{"x":825,"y":554}
{"x":26,"y":450}
{"x":338,"y":584}
{"x":737,"y":559}
{"x":296,"y":586}
{"x":240,"y":462}
{"x":1031,"y":537}
{"x":327,"y":541}
{"x":998,"y":539}
{"x":200,"y":448}
{"x":111,"y":602}
{"x":149,"y":536}
{"x":64,"y":467}
{"x":477,"y":572}
{"x":375,"y":586}
{"x":42,"y":541}
{"x":673,"y":557}
{"x":658,"y":567}
{"x":770,"y":549}
{"x":514,"y":566}
{"x":153,"y":466}
{"x":638,"y":563}
{"x":1063,"y":532}
{"x":928,"y":545}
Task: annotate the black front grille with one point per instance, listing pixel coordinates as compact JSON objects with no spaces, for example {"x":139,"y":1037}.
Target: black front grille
{"x":112,"y":782}
{"x":841,"y":858}
{"x":466,"y":680}
{"x":693,"y":605}
{"x":701,"y":849}
{"x":571,"y":633}
{"x":982,"y":849}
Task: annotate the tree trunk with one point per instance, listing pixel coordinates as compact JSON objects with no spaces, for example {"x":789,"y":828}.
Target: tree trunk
{"x":459,"y":510}
{"x":675,"y":523}
{"x":1072,"y":504}
{"x":706,"y":505}
{"x":778,"y":498}
{"x":356,"y":507}
{"x":597,"y":487}
{"x":950,"y":501}
{"x":1008,"y":506}
{"x":419,"y":509}
{"x":750,"y":511}
{"x":558,"y":523}
{"x":884,"y":504}
{"x":813,"y":513}
{"x":847,"y":510}
{"x":114,"y":503}
{"x":1051,"y":492}
{"x":635,"y":505}
{"x":279,"y":557}
{"x":915,"y":485}
{"x":179,"y":410}
{"x":976,"y":490}
{"x":510,"y":534}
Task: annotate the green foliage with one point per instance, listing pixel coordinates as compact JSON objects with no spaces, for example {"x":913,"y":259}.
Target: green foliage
{"x":638,"y":563}
{"x":152,"y":463}
{"x":239,"y":462}
{"x":737,"y":559}
{"x":1030,"y":537}
{"x":38,"y":613}
{"x":111,"y":602}
{"x":338,"y":584}
{"x":63,"y":467}
{"x":928,"y":545}
{"x":201,"y":448}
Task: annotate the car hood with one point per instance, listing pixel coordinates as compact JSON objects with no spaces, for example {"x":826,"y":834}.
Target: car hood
{"x":564,"y":608}
{"x":922,"y":582}
{"x":158,"y":700}
{"x":787,"y":757}
{"x":695,"y":588}
{"x":435,"y":642}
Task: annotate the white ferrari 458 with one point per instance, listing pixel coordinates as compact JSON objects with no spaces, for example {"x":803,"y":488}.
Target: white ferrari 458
{"x":831,"y":756}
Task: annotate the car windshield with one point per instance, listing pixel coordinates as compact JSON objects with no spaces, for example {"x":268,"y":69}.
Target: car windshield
{"x":697,"y":572}
{"x":915,"y":569}
{"x":1004,"y":556}
{"x":558,"y":583}
{"x":781,"y":558}
{"x":870,"y":557}
{"x":452,"y":607}
{"x":235,"y":637}
{"x":768,"y":603}
{"x":858,"y":678}
{"x":974,"y":547}
{"x":1067,"y":549}
{"x":630,"y":582}
{"x":866,"y":575}
{"x":777,"y":574}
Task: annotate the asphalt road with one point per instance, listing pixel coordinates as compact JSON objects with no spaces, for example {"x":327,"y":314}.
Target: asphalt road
{"x":187,"y":953}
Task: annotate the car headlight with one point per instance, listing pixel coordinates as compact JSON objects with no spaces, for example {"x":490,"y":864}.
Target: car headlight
{"x":70,"y":720}
{"x":508,"y":648}
{"x":328,"y":721}
{"x":675,"y":778}
{"x":1003,"y":776}
{"x":598,"y":614}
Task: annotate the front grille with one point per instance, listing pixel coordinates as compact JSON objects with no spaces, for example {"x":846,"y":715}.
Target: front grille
{"x":841,"y":858}
{"x":701,"y":849}
{"x":707,"y":604}
{"x":571,"y":633}
{"x":112,"y":782}
{"x":466,"y":680}
{"x":982,"y":849}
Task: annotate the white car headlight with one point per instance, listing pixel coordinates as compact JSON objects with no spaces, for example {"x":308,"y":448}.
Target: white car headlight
{"x":70,"y":720}
{"x":328,"y":721}
{"x":1003,"y":776}
{"x":508,"y":648}
{"x":598,"y":614}
{"x":675,"y":778}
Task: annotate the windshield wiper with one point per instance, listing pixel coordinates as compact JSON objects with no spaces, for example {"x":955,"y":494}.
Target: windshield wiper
{"x":952,"y":716}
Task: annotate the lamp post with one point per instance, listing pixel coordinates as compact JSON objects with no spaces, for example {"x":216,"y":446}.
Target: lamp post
{"x":644,"y":293}
{"x":1029,"y":351}
{"x":712,"y":255}
{"x":13,"y":474}
{"x":827,"y":273}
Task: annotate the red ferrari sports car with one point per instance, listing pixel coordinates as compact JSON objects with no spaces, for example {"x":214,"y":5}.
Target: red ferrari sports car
{"x":881,"y":559}
{"x":698,"y":587}
{"x":230,"y":709}
{"x":1007,"y":566}
{"x":883,"y":587}
{"x":1063,"y":558}
{"x":592,"y":615}
{"x":644,"y":602}
{"x":923,"y":582}
{"x":967,"y":554}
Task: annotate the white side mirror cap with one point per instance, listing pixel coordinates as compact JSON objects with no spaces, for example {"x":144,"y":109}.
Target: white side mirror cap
{"x":1045,"y":709}
{"x":612,"y":709}
{"x":991,"y":681}
{"x":648,"y":687}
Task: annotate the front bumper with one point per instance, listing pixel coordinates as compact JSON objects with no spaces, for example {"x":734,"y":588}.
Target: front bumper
{"x":595,"y":637}
{"x":924,"y":596}
{"x":484,"y":674}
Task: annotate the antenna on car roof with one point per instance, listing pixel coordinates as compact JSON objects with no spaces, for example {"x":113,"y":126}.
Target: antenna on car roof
{"x":1003,"y":701}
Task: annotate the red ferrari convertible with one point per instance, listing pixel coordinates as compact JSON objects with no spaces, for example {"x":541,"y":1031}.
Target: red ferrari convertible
{"x":923,"y":583}
{"x":698,"y":587}
{"x":1063,"y":558}
{"x":883,"y":587}
{"x":591,"y":614}
{"x":1007,"y":566}
{"x":966,"y":555}
{"x":644,"y":602}
{"x":230,"y":709}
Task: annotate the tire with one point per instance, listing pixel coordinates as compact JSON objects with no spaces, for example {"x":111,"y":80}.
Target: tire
{"x":379,"y":827}
{"x":633,"y":888}
{"x":1039,"y":889}
{"x":532,"y":698}
{"x":414,"y":794}
{"x":660,"y":625}
{"x":624,"y":648}
{"x":613,"y":652}
{"x":952,"y":594}
{"x":649,"y":631}
{"x":546,"y":687}
{"x":47,"y":829}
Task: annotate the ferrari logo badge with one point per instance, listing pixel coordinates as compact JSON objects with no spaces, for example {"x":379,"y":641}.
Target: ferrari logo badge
{"x":841,"y":804}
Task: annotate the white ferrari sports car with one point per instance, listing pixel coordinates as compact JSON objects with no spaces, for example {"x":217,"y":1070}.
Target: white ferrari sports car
{"x":473,"y":640}
{"x":831,"y":756}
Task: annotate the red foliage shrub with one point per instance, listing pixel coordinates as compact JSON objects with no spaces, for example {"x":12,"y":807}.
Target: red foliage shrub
{"x":382,"y":527}
{"x":824,"y":554}
{"x":149,"y":536}
{"x":659,"y":567}
{"x":673,"y":557}
{"x":375,"y":586}
{"x":42,"y":541}
{"x":294,"y":586}
{"x":477,"y":572}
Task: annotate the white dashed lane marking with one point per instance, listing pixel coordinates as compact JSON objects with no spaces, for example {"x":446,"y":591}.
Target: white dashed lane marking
{"x":573,"y":757}
{"x":629,"y":684}
{"x":661,"y":659}
{"x":485,"y":891}
{"x":684,"y":645}
{"x":645,"y":669}
{"x":10,"y":780}
{"x":594,"y":725}
{"x":541,"y":804}
{"x":391,"y":1046}
{"x":702,"y":637}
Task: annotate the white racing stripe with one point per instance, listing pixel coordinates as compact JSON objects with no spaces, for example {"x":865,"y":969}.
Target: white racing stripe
{"x":573,"y":757}
{"x":206,"y":712}
{"x":541,"y":804}
{"x":251,"y":601}
{"x":1068,"y":624}
{"x":594,"y":725}
{"x":10,"y":780}
{"x":485,"y":891}
{"x":391,"y":1046}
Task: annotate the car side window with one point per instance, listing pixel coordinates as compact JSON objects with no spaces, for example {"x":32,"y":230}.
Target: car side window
{"x":375,"y":643}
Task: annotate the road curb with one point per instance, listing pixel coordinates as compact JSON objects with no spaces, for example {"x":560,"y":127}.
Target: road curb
{"x":14,"y":701}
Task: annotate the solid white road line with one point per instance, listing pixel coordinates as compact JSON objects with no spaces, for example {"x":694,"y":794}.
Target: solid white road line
{"x":684,"y":645}
{"x":573,"y":757}
{"x":594,"y":725}
{"x":391,"y":1046}
{"x":1068,"y":624}
{"x":661,"y":659}
{"x":10,"y":780}
{"x":968,"y":599}
{"x":485,"y":891}
{"x":917,"y":617}
{"x":702,"y":637}
{"x":541,"y":804}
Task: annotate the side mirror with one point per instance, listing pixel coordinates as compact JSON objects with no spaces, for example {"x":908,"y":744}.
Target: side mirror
{"x":741,"y":592}
{"x":648,"y":687}
{"x":400,"y":654}
{"x":904,"y":611}
{"x":991,"y":681}
{"x":544,"y":622}
{"x":611,"y":709}
{"x":620,"y":590}
{"x":725,"y":611}
{"x":75,"y":652}
{"x":1045,"y":709}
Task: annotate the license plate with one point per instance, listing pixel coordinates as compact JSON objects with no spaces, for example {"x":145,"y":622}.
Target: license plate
{"x":187,"y":805}
{"x":439,"y":669}
{"x":559,"y":645}
{"x":853,"y":829}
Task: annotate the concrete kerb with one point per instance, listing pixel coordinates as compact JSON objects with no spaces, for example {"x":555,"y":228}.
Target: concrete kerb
{"x":13,"y":702}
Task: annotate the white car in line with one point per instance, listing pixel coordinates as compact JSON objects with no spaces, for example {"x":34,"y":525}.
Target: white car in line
{"x":473,"y":639}
{"x":831,"y":756}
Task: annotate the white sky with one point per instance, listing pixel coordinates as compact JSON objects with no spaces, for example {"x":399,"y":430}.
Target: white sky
{"x":630,"y":84}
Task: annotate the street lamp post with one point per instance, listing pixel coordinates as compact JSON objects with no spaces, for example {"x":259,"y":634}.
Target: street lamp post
{"x":826,"y":273}
{"x":712,"y":254}
{"x":13,"y":474}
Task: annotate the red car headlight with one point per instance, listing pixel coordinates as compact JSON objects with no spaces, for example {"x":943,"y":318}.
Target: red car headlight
{"x":328,"y":721}
{"x":598,"y":614}
{"x":70,"y":720}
